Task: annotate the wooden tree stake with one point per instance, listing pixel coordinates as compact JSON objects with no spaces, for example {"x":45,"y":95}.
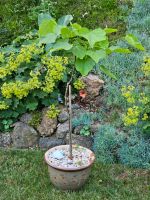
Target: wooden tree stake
{"x":70,"y":125}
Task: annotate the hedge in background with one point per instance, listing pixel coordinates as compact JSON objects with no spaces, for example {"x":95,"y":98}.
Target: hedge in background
{"x":19,"y":17}
{"x":95,"y":13}
{"x":15,"y":18}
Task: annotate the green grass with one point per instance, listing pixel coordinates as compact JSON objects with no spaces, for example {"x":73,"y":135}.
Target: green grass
{"x":24,"y":176}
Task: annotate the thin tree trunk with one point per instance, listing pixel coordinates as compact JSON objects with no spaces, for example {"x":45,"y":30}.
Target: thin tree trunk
{"x":70,"y":124}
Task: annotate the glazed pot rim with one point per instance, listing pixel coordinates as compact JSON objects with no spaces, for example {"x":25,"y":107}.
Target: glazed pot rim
{"x":73,"y":168}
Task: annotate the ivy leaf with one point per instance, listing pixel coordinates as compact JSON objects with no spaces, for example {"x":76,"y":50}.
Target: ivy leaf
{"x":118,"y":49}
{"x":84,"y":66}
{"x":133,"y":41}
{"x":96,"y":55}
{"x":79,"y":51}
{"x":65,"y":20}
{"x":47,"y":26}
{"x":94,"y":36}
{"x":49,"y":38}
{"x":61,"y":44}
{"x":42,"y":17}
{"x":107,"y":72}
{"x":110,"y":30}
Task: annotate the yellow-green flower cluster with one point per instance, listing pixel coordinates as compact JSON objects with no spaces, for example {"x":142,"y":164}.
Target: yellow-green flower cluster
{"x":25,"y":55}
{"x":146,"y":66}
{"x":127,"y":92}
{"x":53,"y":112}
{"x":3,"y":105}
{"x":145,"y":117}
{"x":132,"y":116}
{"x":55,"y":69}
{"x":143,"y":98}
{"x":79,"y":84}
{"x":19,"y":88}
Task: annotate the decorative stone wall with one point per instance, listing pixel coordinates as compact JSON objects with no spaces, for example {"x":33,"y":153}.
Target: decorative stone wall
{"x":52,"y":132}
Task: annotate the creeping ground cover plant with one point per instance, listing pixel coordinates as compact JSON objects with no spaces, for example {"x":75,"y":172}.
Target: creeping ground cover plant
{"x":31,"y":72}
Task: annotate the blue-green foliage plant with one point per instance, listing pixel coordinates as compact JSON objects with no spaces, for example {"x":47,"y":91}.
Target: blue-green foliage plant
{"x":106,"y":143}
{"x":113,"y":146}
{"x":135,"y":152}
{"x":87,"y":118}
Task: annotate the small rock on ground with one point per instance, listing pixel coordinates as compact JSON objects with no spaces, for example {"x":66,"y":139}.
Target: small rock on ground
{"x":5,"y":139}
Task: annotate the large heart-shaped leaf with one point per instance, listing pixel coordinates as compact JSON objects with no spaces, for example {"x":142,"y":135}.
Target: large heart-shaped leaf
{"x":133,"y":41}
{"x":96,"y":55}
{"x":42,"y":17}
{"x":107,"y":72}
{"x":62,"y":44}
{"x":67,"y":33}
{"x":102,"y":44}
{"x":47,"y":26}
{"x":79,"y":51}
{"x":49,"y":38}
{"x":94,"y":36}
{"x":84,"y":66}
{"x":65,"y":20}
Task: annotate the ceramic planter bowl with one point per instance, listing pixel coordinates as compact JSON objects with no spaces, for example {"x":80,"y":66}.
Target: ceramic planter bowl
{"x":66,"y":174}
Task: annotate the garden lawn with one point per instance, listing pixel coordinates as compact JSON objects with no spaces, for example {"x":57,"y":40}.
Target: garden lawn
{"x":24,"y":176}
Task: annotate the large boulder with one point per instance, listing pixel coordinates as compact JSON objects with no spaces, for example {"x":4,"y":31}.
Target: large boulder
{"x":47,"y":126}
{"x":93,"y":85}
{"x":49,"y":142}
{"x":62,"y":130}
{"x":5,"y":139}
{"x":24,"y":136}
{"x":85,"y":141}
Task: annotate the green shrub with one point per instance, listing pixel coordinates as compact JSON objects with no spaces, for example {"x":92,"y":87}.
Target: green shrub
{"x":135,"y":152}
{"x":106,"y":143}
{"x":113,"y":146}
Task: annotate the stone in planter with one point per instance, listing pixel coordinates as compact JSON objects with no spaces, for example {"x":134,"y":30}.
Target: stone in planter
{"x":93,"y":85}
{"x":63,"y":116}
{"x":47,"y":126}
{"x":85,"y":141}
{"x":62,"y":130}
{"x":5,"y":139}
{"x":24,"y":136}
{"x":49,"y":142}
